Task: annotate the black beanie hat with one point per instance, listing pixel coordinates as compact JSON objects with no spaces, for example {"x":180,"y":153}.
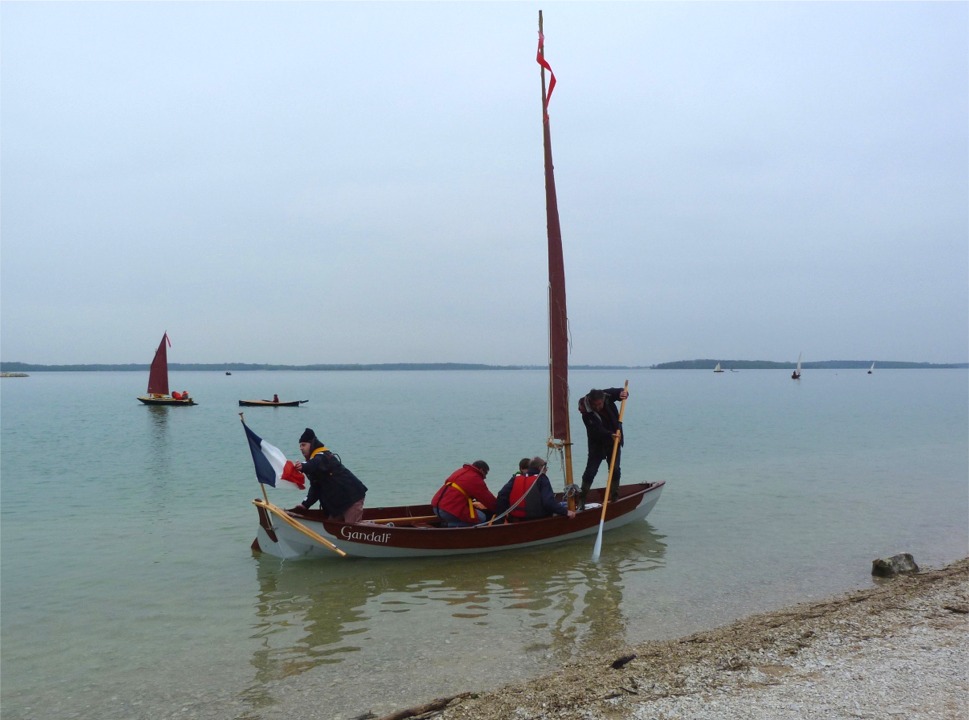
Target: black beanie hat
{"x":307,"y":436}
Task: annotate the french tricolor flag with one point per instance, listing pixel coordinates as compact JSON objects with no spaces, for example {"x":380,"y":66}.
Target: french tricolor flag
{"x":272,"y":467}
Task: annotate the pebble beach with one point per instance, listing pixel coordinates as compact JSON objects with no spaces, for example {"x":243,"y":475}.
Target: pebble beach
{"x":897,"y":650}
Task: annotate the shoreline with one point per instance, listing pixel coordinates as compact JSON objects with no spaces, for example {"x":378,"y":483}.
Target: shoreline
{"x":898,"y":649}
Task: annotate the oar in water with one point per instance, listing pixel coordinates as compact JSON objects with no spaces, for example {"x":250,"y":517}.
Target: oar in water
{"x":612,"y":467}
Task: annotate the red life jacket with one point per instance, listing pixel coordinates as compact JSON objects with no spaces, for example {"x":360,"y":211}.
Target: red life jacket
{"x":520,"y":486}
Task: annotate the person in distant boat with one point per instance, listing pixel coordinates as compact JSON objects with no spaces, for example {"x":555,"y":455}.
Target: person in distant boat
{"x":339,"y":492}
{"x":530,"y":495}
{"x":601,"y":419}
{"x":275,"y":398}
{"x":464,"y":499}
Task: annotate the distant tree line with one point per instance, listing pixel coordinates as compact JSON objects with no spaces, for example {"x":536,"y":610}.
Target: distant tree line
{"x":21,"y":367}
{"x":707,"y":364}
{"x":243,"y":367}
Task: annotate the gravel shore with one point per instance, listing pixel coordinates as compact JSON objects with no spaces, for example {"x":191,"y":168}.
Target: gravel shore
{"x":898,"y":650}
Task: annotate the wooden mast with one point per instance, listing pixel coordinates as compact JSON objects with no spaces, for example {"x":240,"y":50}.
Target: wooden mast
{"x":559,"y":436}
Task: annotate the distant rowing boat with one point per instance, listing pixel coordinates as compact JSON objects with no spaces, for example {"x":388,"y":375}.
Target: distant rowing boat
{"x":271,"y":403}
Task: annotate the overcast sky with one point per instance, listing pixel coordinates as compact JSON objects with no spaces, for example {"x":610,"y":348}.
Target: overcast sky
{"x":324,"y":182}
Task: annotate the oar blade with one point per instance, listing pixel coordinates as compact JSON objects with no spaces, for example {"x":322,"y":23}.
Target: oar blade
{"x":597,"y":548}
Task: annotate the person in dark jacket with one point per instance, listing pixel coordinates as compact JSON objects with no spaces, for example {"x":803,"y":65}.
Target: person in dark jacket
{"x":539,"y":498}
{"x":601,"y":419}
{"x":464,"y":499}
{"x":339,"y":492}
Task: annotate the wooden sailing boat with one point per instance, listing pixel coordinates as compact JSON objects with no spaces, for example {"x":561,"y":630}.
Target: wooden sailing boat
{"x":413,"y":530}
{"x":717,"y":368}
{"x":796,"y":375}
{"x":158,"y":393}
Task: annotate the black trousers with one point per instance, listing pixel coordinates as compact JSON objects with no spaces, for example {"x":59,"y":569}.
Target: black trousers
{"x":596,"y":456}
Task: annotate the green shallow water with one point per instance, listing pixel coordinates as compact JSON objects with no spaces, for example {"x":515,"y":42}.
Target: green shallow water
{"x":128,"y":589}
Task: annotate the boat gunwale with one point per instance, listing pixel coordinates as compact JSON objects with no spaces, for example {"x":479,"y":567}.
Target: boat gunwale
{"x":373,"y":539}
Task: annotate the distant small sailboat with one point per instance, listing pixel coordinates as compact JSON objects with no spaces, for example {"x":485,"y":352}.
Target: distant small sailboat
{"x":158,"y":380}
{"x":796,"y":375}
{"x":717,"y":368}
{"x":871,"y":368}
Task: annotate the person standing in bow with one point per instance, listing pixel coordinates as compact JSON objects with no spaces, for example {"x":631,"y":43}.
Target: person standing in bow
{"x":464,"y":499}
{"x":601,"y":419}
{"x":339,"y":492}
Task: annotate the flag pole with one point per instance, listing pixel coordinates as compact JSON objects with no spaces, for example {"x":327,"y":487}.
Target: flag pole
{"x":285,"y":517}
{"x":612,"y":467}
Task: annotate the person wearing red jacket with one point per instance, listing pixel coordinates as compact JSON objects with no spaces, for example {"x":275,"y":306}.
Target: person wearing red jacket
{"x":464,"y":497}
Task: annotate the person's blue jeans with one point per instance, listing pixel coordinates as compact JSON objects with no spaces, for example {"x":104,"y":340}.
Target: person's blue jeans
{"x":449,"y":520}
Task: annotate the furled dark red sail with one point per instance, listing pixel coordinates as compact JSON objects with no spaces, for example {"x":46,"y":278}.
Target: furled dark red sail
{"x":557,"y":315}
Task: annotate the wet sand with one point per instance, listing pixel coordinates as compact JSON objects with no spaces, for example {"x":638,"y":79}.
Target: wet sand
{"x":897,"y":650}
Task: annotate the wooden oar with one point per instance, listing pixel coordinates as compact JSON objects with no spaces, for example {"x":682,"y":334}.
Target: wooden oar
{"x":612,"y":467}
{"x":284,"y":516}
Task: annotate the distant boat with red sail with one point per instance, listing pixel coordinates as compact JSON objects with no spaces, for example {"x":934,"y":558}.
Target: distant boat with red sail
{"x":158,"y":393}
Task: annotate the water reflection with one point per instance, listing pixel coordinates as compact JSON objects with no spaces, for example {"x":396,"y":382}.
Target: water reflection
{"x":554,"y":601}
{"x":158,"y":416}
{"x":158,"y":453}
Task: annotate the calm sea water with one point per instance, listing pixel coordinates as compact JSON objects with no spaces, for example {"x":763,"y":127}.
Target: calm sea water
{"x":128,"y":589}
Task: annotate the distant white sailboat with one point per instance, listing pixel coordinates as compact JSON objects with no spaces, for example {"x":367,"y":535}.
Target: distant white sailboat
{"x":717,"y":368}
{"x":796,"y":375}
{"x":871,"y":368}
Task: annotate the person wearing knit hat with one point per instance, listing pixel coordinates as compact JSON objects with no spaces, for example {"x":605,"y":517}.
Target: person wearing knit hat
{"x":339,"y":492}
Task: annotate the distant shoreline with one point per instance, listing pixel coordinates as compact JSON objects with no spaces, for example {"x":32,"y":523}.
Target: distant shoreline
{"x":14,"y":369}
